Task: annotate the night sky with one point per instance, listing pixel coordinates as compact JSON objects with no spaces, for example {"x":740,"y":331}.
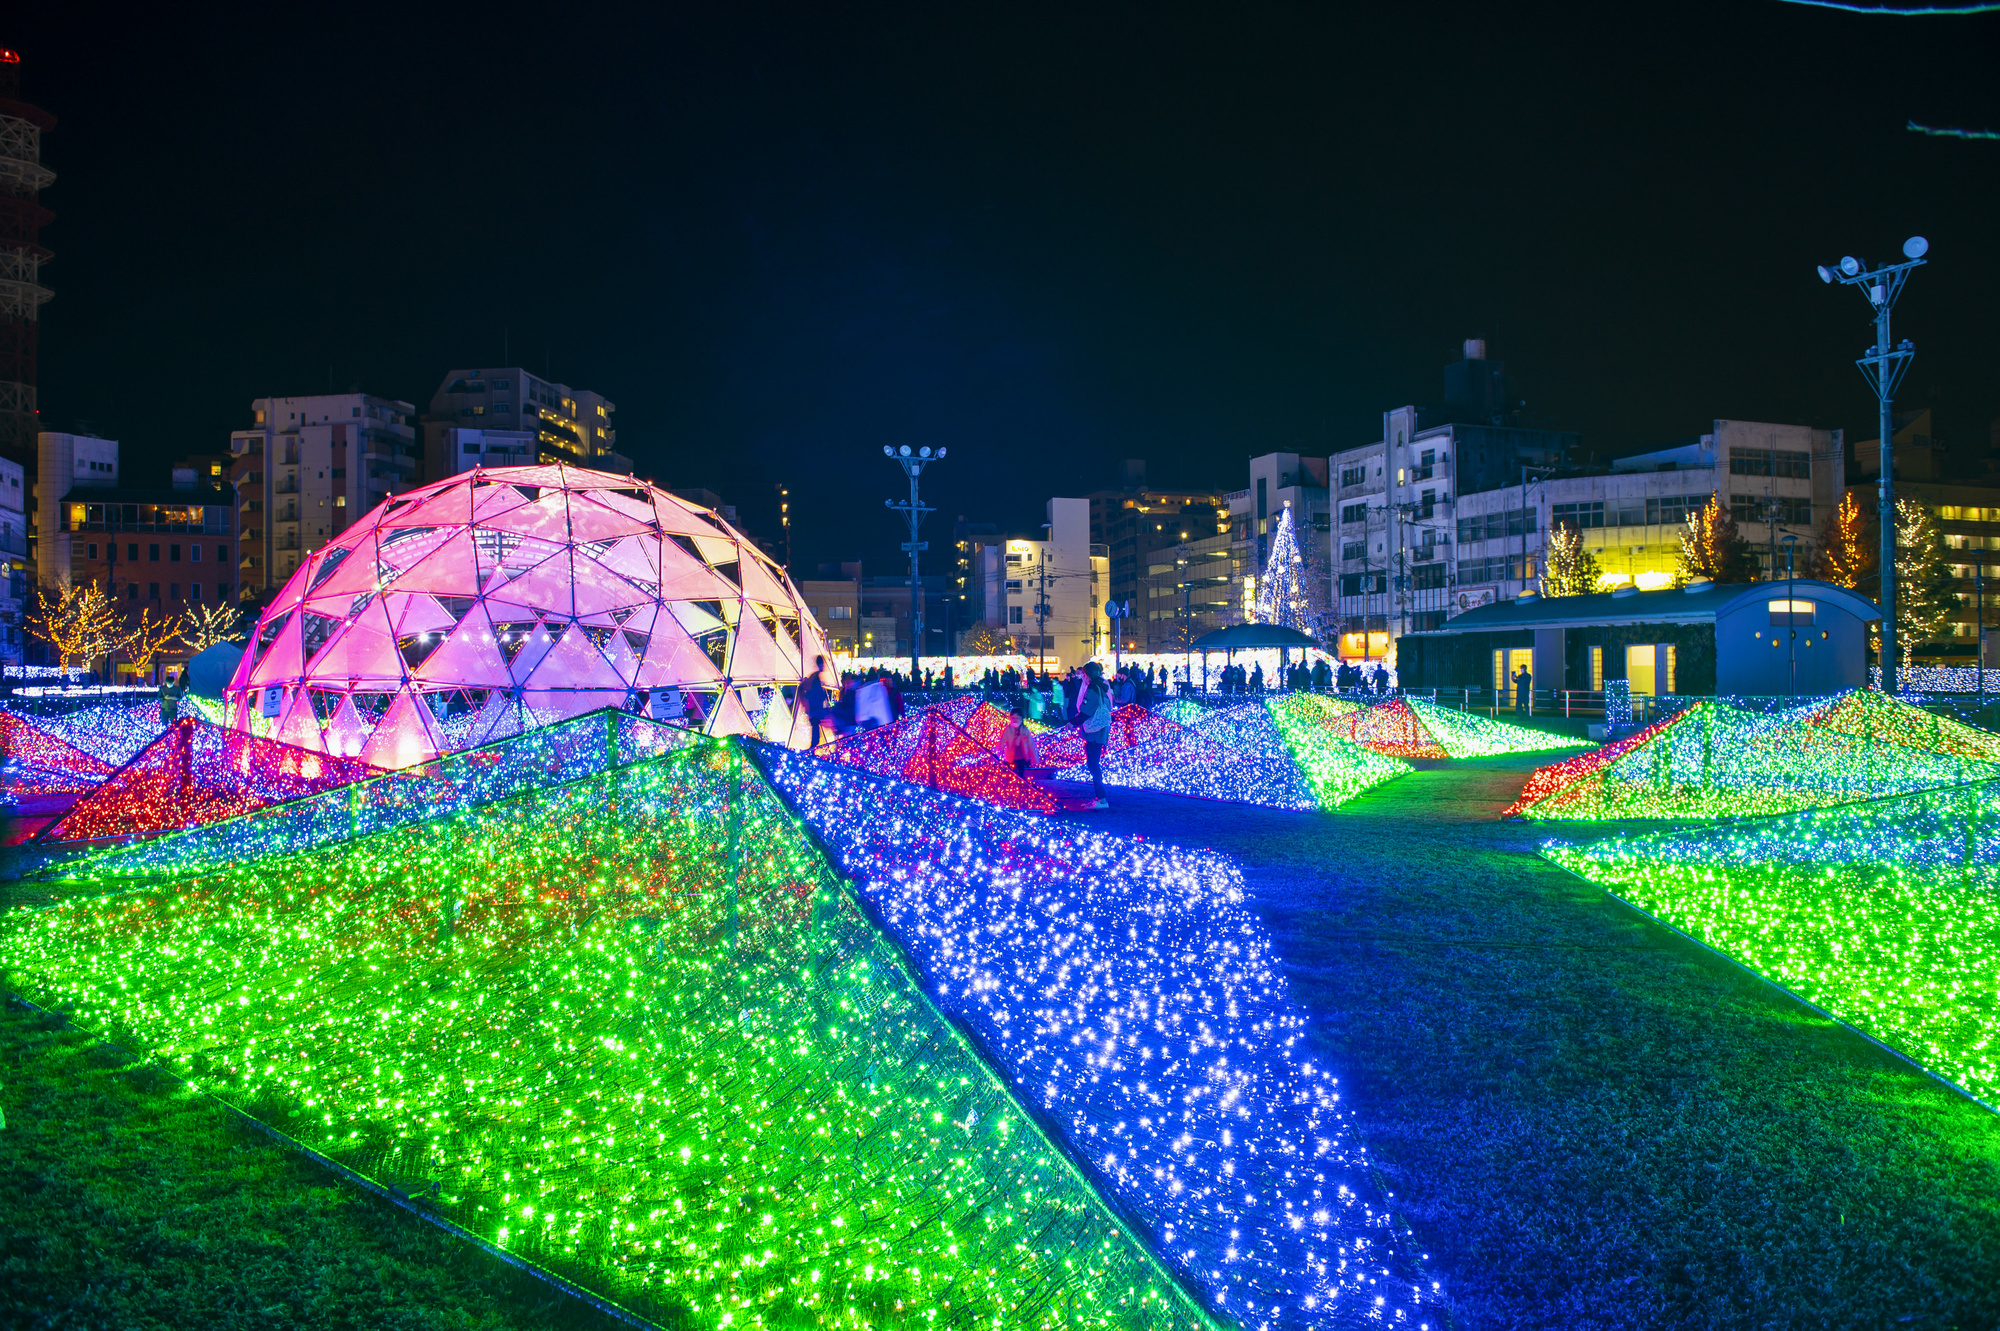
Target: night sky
{"x":1048,"y":238}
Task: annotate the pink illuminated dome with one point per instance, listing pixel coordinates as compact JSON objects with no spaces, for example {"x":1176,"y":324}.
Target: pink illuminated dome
{"x":510,"y":597}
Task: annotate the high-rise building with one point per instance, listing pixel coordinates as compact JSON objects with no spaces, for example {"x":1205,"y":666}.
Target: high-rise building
{"x":306,"y":469}
{"x":1162,"y":555}
{"x":1044,"y":597}
{"x":508,"y":417}
{"x":22,"y":179}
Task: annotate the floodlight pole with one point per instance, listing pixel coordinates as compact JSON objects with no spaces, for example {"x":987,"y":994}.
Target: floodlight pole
{"x":1791,"y":613}
{"x":913,"y":464}
{"x":1884,"y":366}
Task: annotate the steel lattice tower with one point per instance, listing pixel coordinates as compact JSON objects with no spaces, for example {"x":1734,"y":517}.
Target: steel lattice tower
{"x":22,"y":179}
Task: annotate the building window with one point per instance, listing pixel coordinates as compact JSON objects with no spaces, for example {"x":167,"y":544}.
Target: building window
{"x":174,"y":590}
{"x":1353,"y":475}
{"x":1353,"y":513}
{"x":1354,"y":550}
{"x":152,"y":591}
{"x":93,"y":550}
{"x":1583,"y":517}
{"x":1014,"y":586}
{"x":194,"y":554}
{"x":222,"y":554}
{"x":1263,"y":509}
{"x":1769,"y":462}
{"x":153,"y":553}
{"x":1013,"y":614}
{"x":132,"y":592}
{"x":194,"y":593}
{"x":1597,"y":668}
{"x":173,"y":554}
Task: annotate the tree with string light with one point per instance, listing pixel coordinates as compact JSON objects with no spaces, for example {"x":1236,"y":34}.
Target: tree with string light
{"x":1924,"y":598}
{"x":77,"y":622}
{"x":1712,"y":547}
{"x":1845,"y":556}
{"x":1567,"y":568}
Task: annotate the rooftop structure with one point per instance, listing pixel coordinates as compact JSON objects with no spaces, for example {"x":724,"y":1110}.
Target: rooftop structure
{"x":509,"y":417}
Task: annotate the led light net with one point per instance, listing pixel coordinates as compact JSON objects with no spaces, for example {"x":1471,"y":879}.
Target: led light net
{"x":198,"y":772}
{"x":934,"y":747}
{"x":39,"y":763}
{"x":662,"y":1054}
{"x":1130,"y":996}
{"x":1293,"y":731}
{"x":1722,"y":761}
{"x":1878,"y":716}
{"x":506,"y":598}
{"x":1885,"y":914}
{"x":112,"y":732}
{"x":452,"y":783}
{"x":1131,"y":726}
{"x":1468,"y":735}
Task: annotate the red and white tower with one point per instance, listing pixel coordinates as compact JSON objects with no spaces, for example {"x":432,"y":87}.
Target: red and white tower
{"x":22,"y":217}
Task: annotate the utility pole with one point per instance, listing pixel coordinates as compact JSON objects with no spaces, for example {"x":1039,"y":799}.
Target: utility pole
{"x":913,"y":465}
{"x":785,"y":522}
{"x":1884,"y":367}
{"x":1791,"y":612}
{"x":1042,"y":611}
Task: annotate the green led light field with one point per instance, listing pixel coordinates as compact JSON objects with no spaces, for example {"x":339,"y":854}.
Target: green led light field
{"x":1469,"y":735}
{"x":1885,"y":914}
{"x":1718,"y":761}
{"x":661,"y":1053}
{"x":1335,"y":767}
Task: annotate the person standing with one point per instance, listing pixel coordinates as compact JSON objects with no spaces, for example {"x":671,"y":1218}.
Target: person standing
{"x":813,"y":694}
{"x":1524,"y":691}
{"x":1381,"y":679}
{"x":1094,"y":716}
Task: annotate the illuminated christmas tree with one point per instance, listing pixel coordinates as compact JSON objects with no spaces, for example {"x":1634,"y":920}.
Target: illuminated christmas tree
{"x":1283,"y":597}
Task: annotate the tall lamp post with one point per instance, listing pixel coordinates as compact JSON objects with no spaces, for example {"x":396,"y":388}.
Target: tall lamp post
{"x":913,"y":464}
{"x":1791,"y":614}
{"x":1884,"y":367}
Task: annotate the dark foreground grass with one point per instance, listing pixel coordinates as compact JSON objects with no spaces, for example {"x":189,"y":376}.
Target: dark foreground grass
{"x":128,"y":1202}
{"x":1587,"y":1120}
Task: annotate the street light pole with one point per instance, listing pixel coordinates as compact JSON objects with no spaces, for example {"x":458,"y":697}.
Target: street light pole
{"x":913,"y":465}
{"x":1884,"y":367}
{"x":1791,"y":613}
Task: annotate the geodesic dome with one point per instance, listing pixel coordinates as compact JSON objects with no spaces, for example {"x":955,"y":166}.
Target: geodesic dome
{"x":509,"y":597}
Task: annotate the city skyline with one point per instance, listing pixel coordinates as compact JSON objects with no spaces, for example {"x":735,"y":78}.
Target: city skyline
{"x":788,"y":239}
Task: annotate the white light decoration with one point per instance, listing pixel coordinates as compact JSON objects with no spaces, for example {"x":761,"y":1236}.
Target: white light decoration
{"x":506,"y":598}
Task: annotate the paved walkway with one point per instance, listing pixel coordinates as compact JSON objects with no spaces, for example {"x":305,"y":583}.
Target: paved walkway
{"x":1587,"y":1120}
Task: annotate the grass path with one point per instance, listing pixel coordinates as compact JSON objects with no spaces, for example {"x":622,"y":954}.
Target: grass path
{"x":1587,"y":1120}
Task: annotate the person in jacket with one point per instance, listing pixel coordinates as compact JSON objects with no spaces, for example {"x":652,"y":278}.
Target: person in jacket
{"x":1093,"y":714}
{"x":1017,"y":746}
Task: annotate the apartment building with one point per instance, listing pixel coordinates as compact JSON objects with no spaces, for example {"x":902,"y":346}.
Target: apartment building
{"x":509,"y":417}
{"x":158,"y":550}
{"x":1151,"y":535}
{"x":306,"y":469}
{"x":14,"y":570}
{"x":1045,"y":596}
{"x":834,"y":598}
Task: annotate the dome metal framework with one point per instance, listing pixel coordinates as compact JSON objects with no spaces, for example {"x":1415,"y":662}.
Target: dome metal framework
{"x":506,"y":598}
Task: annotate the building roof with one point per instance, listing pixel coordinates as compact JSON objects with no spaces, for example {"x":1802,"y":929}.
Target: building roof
{"x":1243,"y":637}
{"x":120,"y":494}
{"x":1699,"y":603}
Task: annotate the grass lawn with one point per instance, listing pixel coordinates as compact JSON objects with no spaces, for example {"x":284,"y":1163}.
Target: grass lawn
{"x":1586,"y":1120}
{"x":127,"y":1202}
